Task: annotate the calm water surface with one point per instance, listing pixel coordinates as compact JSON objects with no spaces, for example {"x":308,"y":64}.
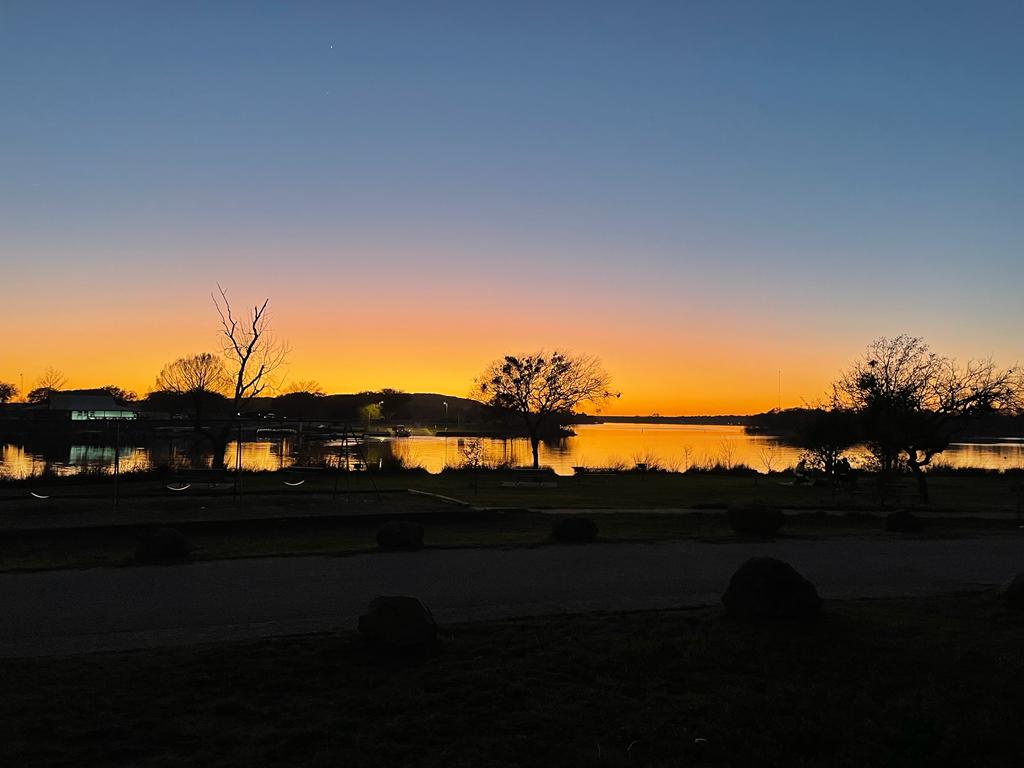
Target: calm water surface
{"x":672,"y":446}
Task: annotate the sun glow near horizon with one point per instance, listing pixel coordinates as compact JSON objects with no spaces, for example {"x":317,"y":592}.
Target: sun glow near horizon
{"x":379,"y":338}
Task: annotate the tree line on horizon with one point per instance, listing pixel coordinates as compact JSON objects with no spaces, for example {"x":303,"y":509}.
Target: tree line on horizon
{"x":900,"y":399}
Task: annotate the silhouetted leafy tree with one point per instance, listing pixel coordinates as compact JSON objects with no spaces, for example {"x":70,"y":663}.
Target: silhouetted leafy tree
{"x":393,"y":403}
{"x":39,"y":395}
{"x":202,"y":378}
{"x":7,"y":392}
{"x":541,"y":387}
{"x":826,"y":435}
{"x":912,"y":401}
{"x":122,"y":395}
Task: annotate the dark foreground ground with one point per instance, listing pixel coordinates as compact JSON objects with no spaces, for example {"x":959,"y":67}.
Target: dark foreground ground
{"x":909,"y":682}
{"x":113,"y":609}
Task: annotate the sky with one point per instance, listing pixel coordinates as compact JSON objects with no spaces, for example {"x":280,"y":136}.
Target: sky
{"x":702,"y":194}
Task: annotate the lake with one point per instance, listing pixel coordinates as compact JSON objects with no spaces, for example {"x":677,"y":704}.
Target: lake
{"x":672,"y":446}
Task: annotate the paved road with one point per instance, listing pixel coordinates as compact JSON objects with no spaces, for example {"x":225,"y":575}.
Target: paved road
{"x":59,"y":612}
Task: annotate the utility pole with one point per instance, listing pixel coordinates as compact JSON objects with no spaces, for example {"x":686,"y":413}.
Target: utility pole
{"x":117,"y":464}
{"x":780,"y":389}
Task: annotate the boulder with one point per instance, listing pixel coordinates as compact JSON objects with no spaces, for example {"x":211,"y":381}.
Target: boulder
{"x":902,"y":521}
{"x":766,"y":589}
{"x":398,"y":622}
{"x":574,"y":530}
{"x":162,"y":545}
{"x":400,"y":534}
{"x":756,"y":520}
{"x":1013,"y":592}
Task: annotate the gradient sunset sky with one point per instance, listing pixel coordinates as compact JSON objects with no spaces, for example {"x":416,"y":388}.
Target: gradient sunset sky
{"x":701,"y":194}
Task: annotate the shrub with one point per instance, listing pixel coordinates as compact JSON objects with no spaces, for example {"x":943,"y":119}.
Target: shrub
{"x":162,"y":545}
{"x":574,"y":530}
{"x":400,"y":534}
{"x":756,"y":520}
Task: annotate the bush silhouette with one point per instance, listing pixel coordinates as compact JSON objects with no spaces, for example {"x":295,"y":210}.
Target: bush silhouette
{"x":574,"y":530}
{"x":756,"y":520}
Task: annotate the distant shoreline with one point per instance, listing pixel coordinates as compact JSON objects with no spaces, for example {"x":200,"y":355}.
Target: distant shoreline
{"x":724,"y":421}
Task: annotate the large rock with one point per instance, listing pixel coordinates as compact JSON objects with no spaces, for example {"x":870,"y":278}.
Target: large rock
{"x":398,"y":622}
{"x":162,"y":545}
{"x":766,"y":589}
{"x":1013,"y":592}
{"x":400,"y":534}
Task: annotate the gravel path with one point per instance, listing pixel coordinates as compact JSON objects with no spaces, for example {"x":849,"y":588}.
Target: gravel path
{"x":58,"y":612}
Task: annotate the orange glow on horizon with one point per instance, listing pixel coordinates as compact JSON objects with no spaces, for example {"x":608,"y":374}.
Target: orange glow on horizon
{"x":358,"y":335}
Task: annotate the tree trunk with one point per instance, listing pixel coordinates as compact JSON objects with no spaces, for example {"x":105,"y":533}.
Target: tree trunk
{"x":922,"y":483}
{"x":220,"y":446}
{"x":535,"y":447}
{"x":917,"y":467}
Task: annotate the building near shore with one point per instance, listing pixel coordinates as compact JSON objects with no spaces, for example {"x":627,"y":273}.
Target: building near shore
{"x":88,"y":407}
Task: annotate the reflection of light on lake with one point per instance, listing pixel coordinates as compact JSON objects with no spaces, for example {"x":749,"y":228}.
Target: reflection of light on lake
{"x":674,"y":446}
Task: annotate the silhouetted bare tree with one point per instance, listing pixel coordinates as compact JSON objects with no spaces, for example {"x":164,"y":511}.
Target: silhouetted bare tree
{"x":912,"y":401}
{"x":51,"y":380}
{"x":253,"y":356}
{"x":540,"y":387}
{"x":305,"y":387}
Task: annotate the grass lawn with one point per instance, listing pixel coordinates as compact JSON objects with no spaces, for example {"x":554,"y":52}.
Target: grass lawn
{"x":962,"y":492}
{"x":272,"y":512}
{"x":84,"y":548}
{"x":937,"y":681}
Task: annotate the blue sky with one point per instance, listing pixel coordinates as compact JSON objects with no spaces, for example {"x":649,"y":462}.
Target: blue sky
{"x":846,"y":169}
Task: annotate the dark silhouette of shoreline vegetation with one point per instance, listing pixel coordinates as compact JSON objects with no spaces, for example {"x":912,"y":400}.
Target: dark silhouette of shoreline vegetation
{"x":905,"y":403}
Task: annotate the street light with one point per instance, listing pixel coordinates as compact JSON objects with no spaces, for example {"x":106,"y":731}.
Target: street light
{"x":445,"y":463}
